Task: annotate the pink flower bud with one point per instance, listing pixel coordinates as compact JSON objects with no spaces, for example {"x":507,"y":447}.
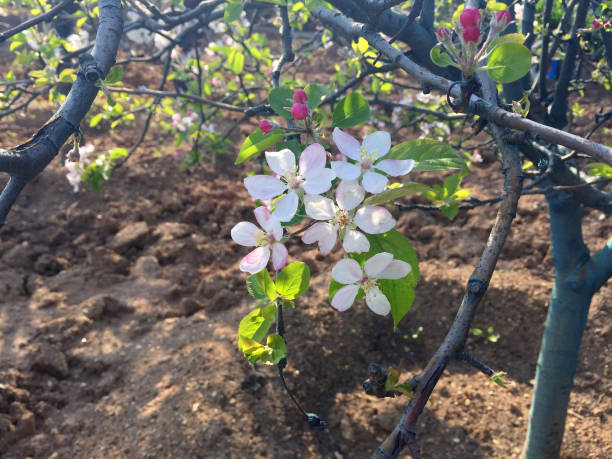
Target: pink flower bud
{"x":471,"y":34}
{"x":607,"y":25}
{"x":470,"y":17}
{"x":503,"y":17}
{"x":443,"y":33}
{"x":265,"y":126}
{"x":300,"y":96}
{"x":596,"y":24}
{"x":299,"y":111}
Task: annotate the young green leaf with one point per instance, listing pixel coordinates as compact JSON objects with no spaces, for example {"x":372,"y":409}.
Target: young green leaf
{"x":261,"y":286}
{"x":293,"y":280}
{"x":258,"y":142}
{"x":508,"y":62}
{"x":395,"y":193}
{"x":429,"y":155}
{"x":114,"y":76}
{"x":439,"y":57}
{"x":256,"y":324}
{"x":281,"y":100}
{"x":232,"y":11}
{"x":351,"y":111}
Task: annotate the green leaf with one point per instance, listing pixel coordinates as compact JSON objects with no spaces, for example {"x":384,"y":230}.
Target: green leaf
{"x":508,"y":62}
{"x":277,"y":349}
{"x":235,"y":61}
{"x":281,"y":100}
{"x":509,"y":38}
{"x":451,"y":184}
{"x":232,"y":11}
{"x":395,"y":193}
{"x":261,"y":286}
{"x":316,"y":94}
{"x":95,"y":120}
{"x":351,"y":111}
{"x":258,"y":142}
{"x":403,"y":388}
{"x":450,"y":210}
{"x":600,"y":169}
{"x":255,"y":325}
{"x":498,"y":378}
{"x":439,"y":57}
{"x":496,"y":6}
{"x":114,"y":76}
{"x":430,"y":155}
{"x":293,"y":280}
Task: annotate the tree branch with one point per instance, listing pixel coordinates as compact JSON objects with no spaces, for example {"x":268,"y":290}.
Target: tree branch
{"x":48,"y":16}
{"x":476,"y":104}
{"x":26,"y":161}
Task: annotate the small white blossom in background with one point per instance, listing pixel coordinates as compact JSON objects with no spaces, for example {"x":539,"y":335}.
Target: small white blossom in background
{"x":348,"y":272}
{"x":76,"y":168}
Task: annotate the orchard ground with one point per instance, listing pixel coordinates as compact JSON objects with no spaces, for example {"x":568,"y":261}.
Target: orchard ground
{"x":119,"y":311}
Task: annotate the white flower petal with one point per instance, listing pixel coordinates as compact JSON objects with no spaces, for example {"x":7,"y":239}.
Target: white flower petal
{"x":279,"y":256}
{"x":377,"y":264}
{"x":374,"y":219}
{"x":349,"y":194}
{"x":345,"y":170}
{"x":285,"y":207}
{"x":281,"y":162}
{"x":245,"y":233}
{"x":344,"y":297}
{"x":396,"y":270}
{"x":256,"y":260}
{"x":347,"y":271}
{"x":378,"y":302}
{"x":377,"y":144}
{"x":312,"y":160}
{"x":395,"y":167}
{"x":374,"y":182}
{"x":270,"y":224}
{"x":320,"y":182}
{"x":322,"y":232}
{"x":347,"y":144}
{"x":355,"y":242}
{"x":264,"y":186}
{"x":319,"y":207}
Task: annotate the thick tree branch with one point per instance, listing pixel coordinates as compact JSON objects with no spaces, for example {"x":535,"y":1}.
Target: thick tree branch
{"x":476,"y":104}
{"x":558,"y":110}
{"x":26,"y":161}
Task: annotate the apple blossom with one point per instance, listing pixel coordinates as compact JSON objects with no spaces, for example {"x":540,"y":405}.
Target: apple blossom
{"x":596,"y":24}
{"x":265,"y":126}
{"x":299,"y":111}
{"x":470,"y":17}
{"x":311,"y":178}
{"x":374,"y":146}
{"x":503,"y":18}
{"x":443,"y":33}
{"x":471,"y":34}
{"x":266,"y":241}
{"x":341,"y":218}
{"x":300,"y":96}
{"x":381,"y":266}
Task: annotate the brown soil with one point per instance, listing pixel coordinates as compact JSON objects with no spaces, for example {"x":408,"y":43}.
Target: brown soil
{"x":119,"y":311}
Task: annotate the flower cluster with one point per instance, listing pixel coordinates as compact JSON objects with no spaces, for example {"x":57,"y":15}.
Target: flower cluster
{"x":338,"y":214}
{"x":182,"y":123}
{"x":469,"y":29}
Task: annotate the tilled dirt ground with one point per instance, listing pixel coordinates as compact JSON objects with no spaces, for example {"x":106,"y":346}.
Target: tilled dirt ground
{"x":119,"y":311}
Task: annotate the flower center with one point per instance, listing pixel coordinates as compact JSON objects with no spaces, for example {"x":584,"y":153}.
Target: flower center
{"x":343,"y":219}
{"x":293,"y":180}
{"x":368,"y":157}
{"x":263,"y":239}
{"x":367,"y":284}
